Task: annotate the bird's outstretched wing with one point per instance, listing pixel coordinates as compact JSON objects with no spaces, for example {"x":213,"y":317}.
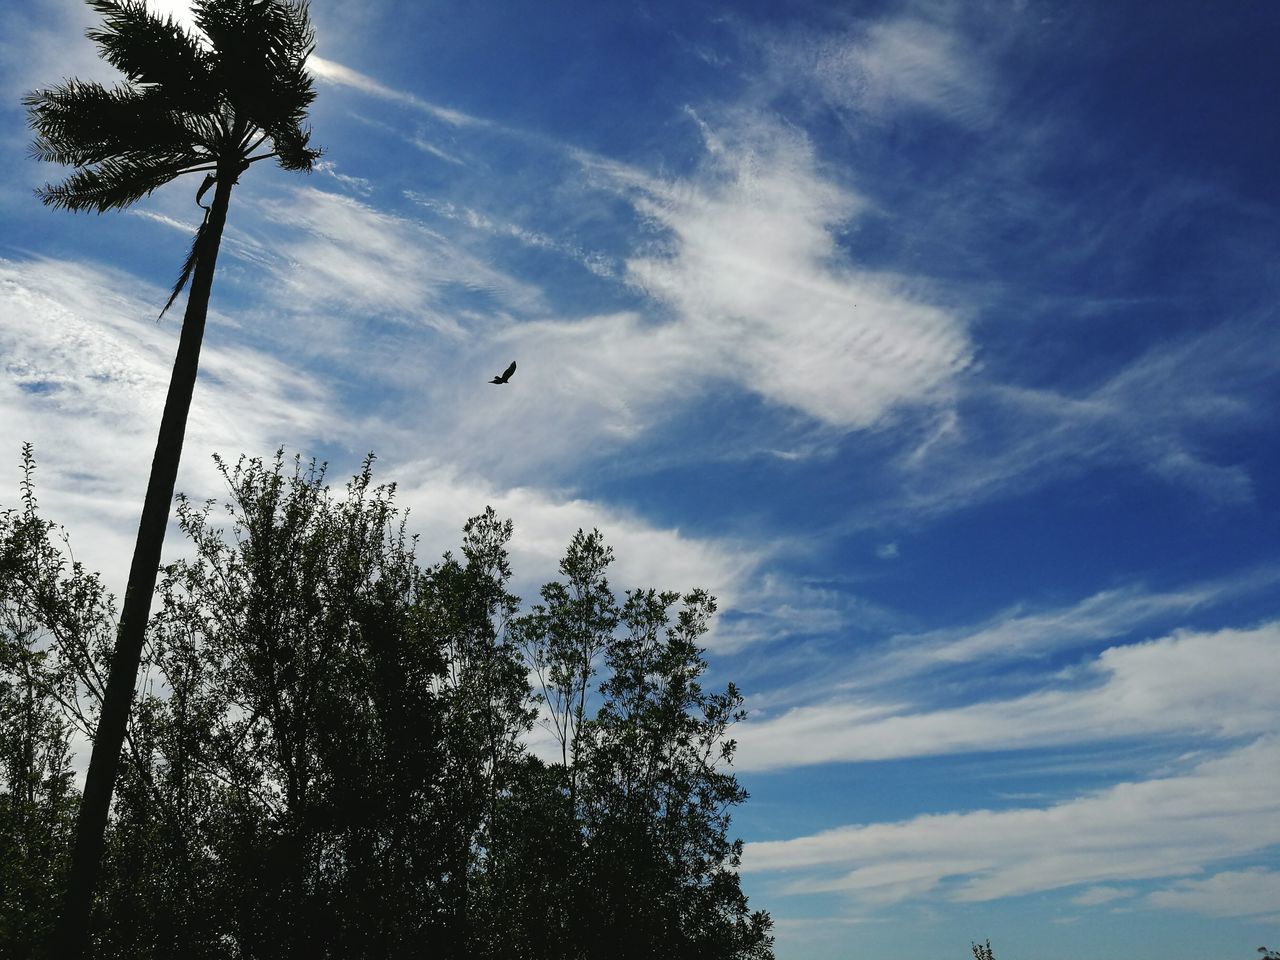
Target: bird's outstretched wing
{"x":505,"y":375}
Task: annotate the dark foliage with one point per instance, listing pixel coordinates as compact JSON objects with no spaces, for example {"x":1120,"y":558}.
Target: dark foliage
{"x":329,"y":756}
{"x":52,"y":614}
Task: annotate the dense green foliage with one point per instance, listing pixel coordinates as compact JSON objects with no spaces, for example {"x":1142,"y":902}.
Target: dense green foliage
{"x":329,"y":755}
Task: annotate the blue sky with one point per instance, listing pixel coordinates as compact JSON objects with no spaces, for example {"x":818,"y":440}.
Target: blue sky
{"x":939,"y":340}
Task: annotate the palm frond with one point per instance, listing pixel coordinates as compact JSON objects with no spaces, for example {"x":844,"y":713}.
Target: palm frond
{"x":154,"y":50}
{"x":115,"y":182}
{"x":209,"y":181}
{"x":260,"y":49}
{"x":79,"y":123}
{"x":188,"y":265}
{"x":292,"y":147}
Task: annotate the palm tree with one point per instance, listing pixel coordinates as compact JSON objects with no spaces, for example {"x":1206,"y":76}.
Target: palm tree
{"x":190,"y":103}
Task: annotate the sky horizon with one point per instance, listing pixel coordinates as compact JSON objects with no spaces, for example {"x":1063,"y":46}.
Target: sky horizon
{"x":938,"y":340}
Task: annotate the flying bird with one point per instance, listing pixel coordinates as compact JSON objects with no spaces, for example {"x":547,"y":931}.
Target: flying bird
{"x":506,"y":374}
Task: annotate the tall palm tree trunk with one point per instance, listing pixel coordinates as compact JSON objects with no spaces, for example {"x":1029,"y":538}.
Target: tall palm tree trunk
{"x":104,"y":762}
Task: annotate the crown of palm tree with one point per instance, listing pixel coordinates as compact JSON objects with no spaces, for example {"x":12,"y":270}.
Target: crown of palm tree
{"x":189,"y":101}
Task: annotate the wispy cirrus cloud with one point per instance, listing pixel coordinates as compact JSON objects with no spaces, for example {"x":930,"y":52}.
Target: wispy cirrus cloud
{"x":876,"y":69}
{"x":1021,"y":633}
{"x":341,"y":255}
{"x":89,"y":365}
{"x":441,"y":497}
{"x":1206,"y":684}
{"x":750,"y":273}
{"x":1097,"y":896}
{"x":330,"y":71}
{"x":43,"y":42}
{"x":1164,"y":413}
{"x":959,"y":657}
{"x":1019,"y":422}
{"x":1254,"y":892}
{"x":742,"y":284}
{"x":745,"y":275}
{"x":1168,"y":827}
{"x":360,"y":185}
{"x":485,"y":223}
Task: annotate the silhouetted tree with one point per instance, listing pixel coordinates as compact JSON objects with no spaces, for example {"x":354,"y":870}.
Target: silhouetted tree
{"x":655,"y":803}
{"x":982,"y":951}
{"x":529,"y":896}
{"x":329,"y":733}
{"x":330,"y":758}
{"x":188,"y":104}
{"x":651,"y":869}
{"x":563,"y":639}
{"x":304,"y":710}
{"x":51,"y":611}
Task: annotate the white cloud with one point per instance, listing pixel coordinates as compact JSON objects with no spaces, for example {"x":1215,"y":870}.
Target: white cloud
{"x":596,"y":263}
{"x":1160,"y":413}
{"x":749,"y":283}
{"x":779,"y":609}
{"x":85,"y":372}
{"x":915,"y":63}
{"x":344,"y":256}
{"x":905,"y":63}
{"x":1096,"y":896}
{"x":1174,"y":826}
{"x":426,"y":146}
{"x":441,"y":499}
{"x":360,"y":185}
{"x":1019,"y":633}
{"x":336,"y":73}
{"x":86,"y":367}
{"x":1234,"y":893}
{"x":611,"y":375}
{"x":43,"y":43}
{"x":1211,"y":684}
{"x":759,"y":291}
{"x":884,"y":67}
{"x":750,"y":295}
